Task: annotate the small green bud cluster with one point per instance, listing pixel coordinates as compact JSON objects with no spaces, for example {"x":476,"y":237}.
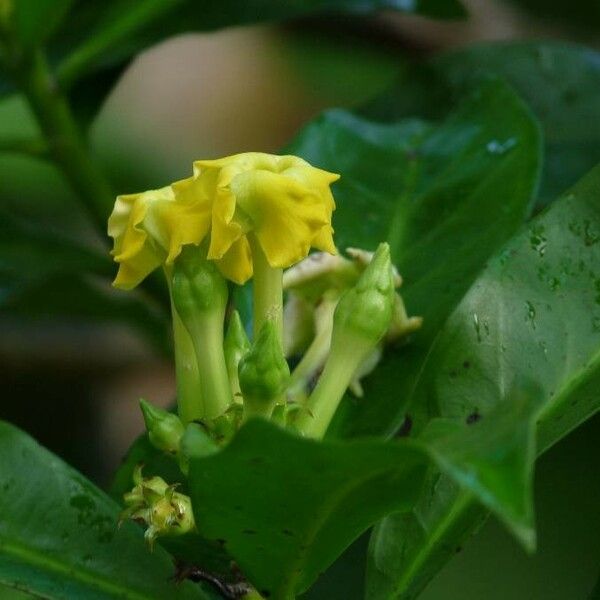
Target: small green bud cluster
{"x":159,"y":507}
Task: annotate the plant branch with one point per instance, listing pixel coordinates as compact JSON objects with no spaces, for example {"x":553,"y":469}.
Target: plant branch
{"x":65,"y":142}
{"x":35,"y":148}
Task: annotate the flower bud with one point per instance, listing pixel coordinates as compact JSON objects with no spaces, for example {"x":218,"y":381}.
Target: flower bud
{"x":263,"y":371}
{"x":235,"y":346}
{"x":197,"y":286}
{"x":365,"y":311}
{"x":155,"y":504}
{"x":164,"y":428}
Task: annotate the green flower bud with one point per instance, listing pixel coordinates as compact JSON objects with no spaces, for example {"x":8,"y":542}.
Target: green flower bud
{"x":263,"y":371}
{"x":197,"y":285}
{"x":164,"y":428}
{"x":365,"y":311}
{"x":235,"y":346}
{"x":155,"y":504}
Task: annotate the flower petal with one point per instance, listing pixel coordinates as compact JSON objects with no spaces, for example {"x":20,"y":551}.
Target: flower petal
{"x":286,"y":215}
{"x":236,"y":265}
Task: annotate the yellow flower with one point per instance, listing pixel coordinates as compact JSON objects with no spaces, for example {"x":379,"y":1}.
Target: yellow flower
{"x":149,"y":230}
{"x":284,"y":202}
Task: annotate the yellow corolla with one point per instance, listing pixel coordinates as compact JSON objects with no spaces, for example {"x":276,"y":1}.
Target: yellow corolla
{"x":282,"y":201}
{"x":149,"y":230}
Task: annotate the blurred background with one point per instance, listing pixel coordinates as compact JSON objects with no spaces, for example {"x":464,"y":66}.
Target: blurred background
{"x":74,"y":382}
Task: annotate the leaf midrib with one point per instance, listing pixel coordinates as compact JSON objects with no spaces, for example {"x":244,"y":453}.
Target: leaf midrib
{"x":461,"y":504}
{"x":322,"y":517}
{"x":45,"y":563}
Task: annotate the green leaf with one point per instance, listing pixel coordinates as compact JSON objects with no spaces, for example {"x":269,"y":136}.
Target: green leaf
{"x":445,"y":196}
{"x":29,"y":253}
{"x":533,"y":315}
{"x":285,"y":507}
{"x":99,"y":39}
{"x":560,"y":82}
{"x":45,"y":274}
{"x":35,"y":20}
{"x":59,"y":537}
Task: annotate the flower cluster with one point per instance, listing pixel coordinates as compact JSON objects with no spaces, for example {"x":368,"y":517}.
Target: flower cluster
{"x":251,"y":215}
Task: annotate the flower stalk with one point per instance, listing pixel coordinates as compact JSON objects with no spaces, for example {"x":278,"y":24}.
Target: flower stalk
{"x":267,"y":292}
{"x":200,"y":297}
{"x":360,"y":321}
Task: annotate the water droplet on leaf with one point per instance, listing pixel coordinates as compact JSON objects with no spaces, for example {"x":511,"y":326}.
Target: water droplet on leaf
{"x":498,"y":147}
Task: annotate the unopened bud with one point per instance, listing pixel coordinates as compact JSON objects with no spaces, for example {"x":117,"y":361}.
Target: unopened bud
{"x":263,"y":371}
{"x":164,"y":428}
{"x":197,"y":287}
{"x":235,"y":346}
{"x":365,"y":311}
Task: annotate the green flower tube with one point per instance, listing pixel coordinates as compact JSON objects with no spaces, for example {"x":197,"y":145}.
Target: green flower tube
{"x":199,"y":295}
{"x":361,"y":319}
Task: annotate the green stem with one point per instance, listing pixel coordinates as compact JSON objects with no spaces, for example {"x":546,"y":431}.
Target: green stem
{"x":189,"y":390}
{"x":259,"y":408}
{"x":316,"y":355}
{"x":206,"y":331}
{"x":267,"y":291}
{"x":65,"y":142}
{"x":347,"y":354}
{"x":29,"y":147}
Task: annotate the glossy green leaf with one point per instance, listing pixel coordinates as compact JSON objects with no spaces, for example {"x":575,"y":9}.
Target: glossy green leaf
{"x":59,"y":537}
{"x":285,"y":507}
{"x":560,"y":82}
{"x":533,"y":315}
{"x":445,"y":196}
